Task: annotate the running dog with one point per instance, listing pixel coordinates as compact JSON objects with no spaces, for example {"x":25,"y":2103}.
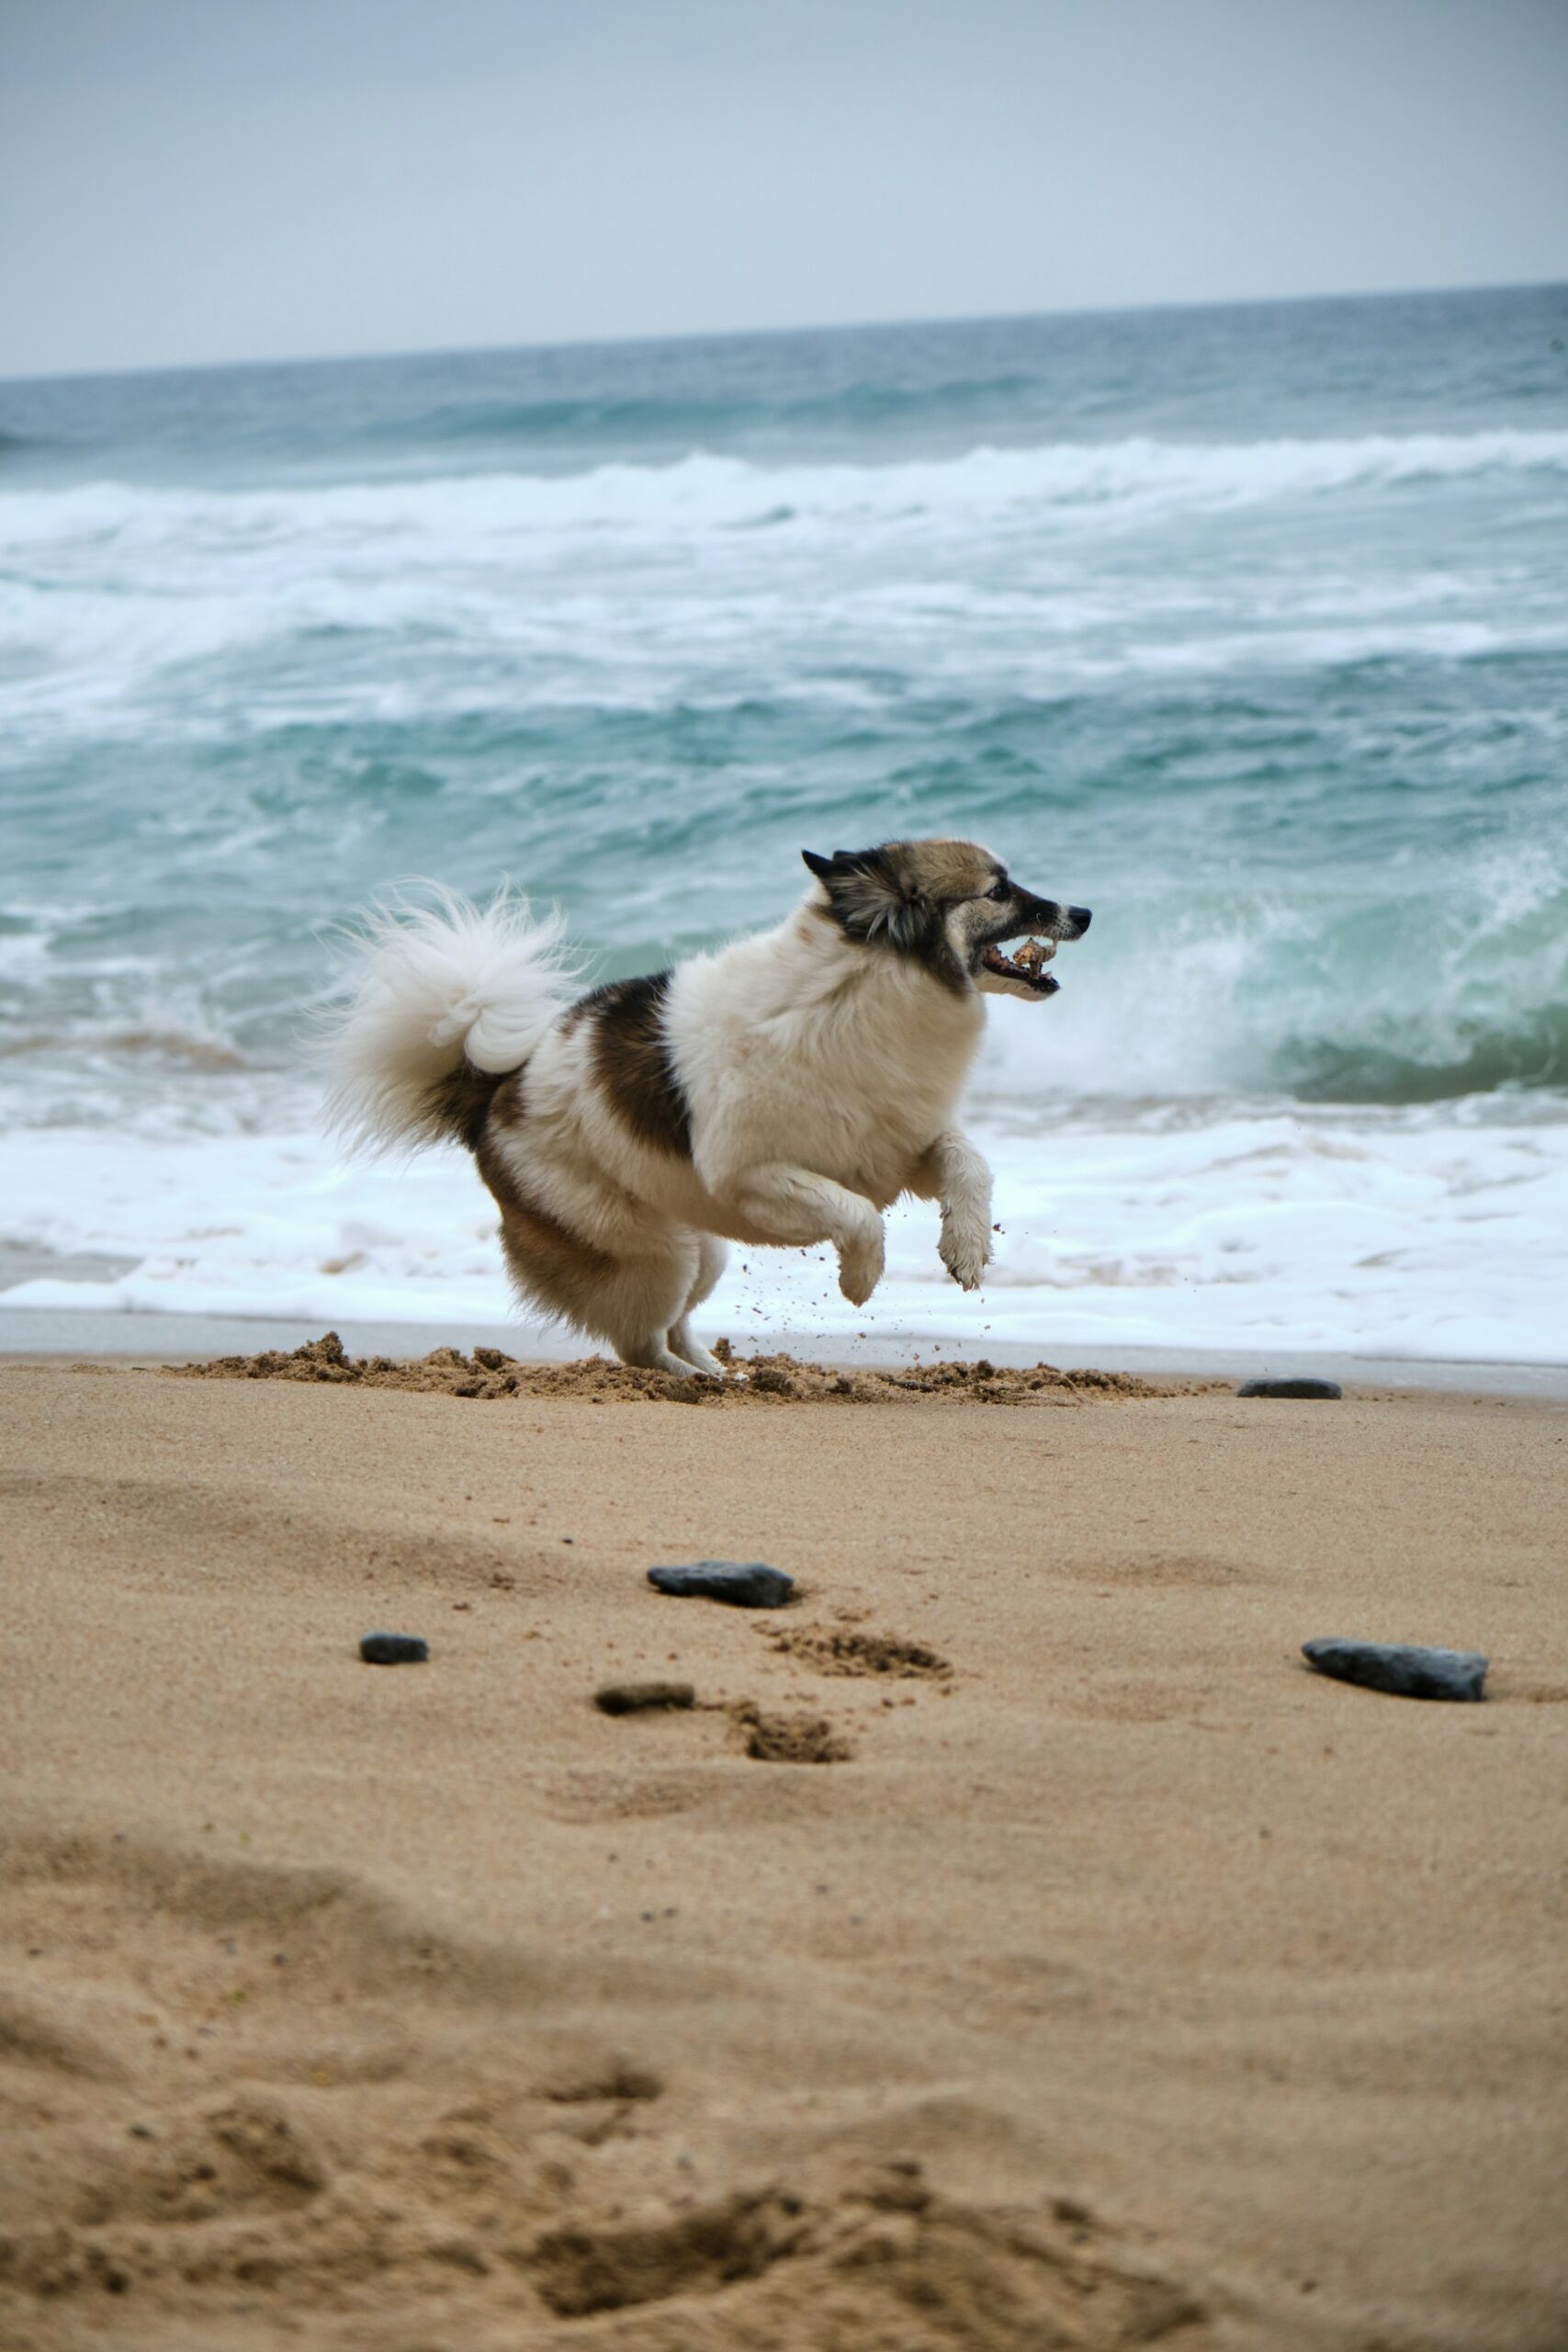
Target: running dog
{"x":785,"y":1090}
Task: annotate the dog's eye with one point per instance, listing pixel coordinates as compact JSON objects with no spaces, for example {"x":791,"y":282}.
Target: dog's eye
{"x":1002,"y":889}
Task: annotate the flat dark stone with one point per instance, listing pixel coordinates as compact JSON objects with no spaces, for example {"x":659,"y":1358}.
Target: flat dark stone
{"x":393,"y":1649}
{"x":1409,"y":1671}
{"x":1289,"y":1389}
{"x":628,"y":1698}
{"x":745,"y":1585}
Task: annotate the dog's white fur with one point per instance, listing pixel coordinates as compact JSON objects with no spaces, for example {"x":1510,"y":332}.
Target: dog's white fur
{"x":438,"y":985}
{"x":821,"y":1076}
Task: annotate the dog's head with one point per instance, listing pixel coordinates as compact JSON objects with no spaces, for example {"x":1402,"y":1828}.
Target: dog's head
{"x":949,"y":906}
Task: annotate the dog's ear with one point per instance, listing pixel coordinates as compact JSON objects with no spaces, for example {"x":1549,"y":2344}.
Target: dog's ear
{"x":845,"y":864}
{"x":871,"y":898}
{"x":848,"y":869}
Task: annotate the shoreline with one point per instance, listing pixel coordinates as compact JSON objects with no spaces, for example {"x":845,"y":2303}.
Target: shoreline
{"x":39,"y":1334}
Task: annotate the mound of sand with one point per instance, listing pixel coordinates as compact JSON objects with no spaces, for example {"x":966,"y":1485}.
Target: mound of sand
{"x":768,"y":1380}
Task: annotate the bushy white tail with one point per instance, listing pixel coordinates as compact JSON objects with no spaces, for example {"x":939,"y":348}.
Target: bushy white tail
{"x":440,"y":989}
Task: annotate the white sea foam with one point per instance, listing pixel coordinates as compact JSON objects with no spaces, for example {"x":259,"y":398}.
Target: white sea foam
{"x":1414,"y":1234}
{"x":701,"y":491}
{"x":197,"y":612}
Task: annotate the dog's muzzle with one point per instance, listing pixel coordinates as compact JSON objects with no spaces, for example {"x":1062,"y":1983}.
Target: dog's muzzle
{"x":1024,"y":974}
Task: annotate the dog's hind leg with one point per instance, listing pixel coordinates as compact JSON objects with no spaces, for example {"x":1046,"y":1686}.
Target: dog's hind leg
{"x":711,"y":1257}
{"x":639,"y":1305}
{"x":629,"y":1296}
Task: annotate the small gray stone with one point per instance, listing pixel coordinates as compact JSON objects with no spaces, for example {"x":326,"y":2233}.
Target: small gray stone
{"x":745,"y":1585}
{"x":1302,"y":1388}
{"x":393,"y":1649}
{"x":630,"y":1698}
{"x":1409,"y":1671}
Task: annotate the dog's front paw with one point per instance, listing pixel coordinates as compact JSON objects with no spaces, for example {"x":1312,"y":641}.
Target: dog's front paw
{"x":966,"y":1250}
{"x":860,"y":1266}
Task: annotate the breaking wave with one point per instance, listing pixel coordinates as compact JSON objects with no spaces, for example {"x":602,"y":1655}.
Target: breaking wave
{"x":1358,"y":996}
{"x":701,"y":491}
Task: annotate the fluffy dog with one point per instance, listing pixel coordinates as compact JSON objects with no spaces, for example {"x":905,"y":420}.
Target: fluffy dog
{"x":787,"y":1088}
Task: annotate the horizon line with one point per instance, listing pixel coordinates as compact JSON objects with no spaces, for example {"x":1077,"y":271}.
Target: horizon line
{"x":755,"y":334}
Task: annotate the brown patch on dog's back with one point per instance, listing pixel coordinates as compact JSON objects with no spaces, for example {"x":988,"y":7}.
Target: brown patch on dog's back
{"x":632,"y":1062}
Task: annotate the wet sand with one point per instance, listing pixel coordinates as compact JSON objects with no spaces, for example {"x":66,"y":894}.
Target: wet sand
{"x":1112,"y":1979}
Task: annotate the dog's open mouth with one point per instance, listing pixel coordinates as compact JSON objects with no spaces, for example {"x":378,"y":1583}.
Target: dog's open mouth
{"x":1028,"y":965}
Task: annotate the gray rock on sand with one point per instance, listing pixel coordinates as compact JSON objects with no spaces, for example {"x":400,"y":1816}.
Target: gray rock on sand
{"x":1302,"y":1388}
{"x":393,"y":1649}
{"x":1406,"y":1669}
{"x":744,"y":1584}
{"x":630,"y":1698}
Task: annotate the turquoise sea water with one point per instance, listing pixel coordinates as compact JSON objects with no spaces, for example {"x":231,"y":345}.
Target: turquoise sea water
{"x":1246,"y":627}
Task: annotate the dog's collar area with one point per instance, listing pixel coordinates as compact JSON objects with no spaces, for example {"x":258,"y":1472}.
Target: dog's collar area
{"x":1028,"y":965}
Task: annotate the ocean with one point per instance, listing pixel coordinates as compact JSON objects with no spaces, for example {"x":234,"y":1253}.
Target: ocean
{"x":1246,"y":627}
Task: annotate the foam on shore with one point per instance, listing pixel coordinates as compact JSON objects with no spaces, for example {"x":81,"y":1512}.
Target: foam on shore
{"x":1420,"y":1233}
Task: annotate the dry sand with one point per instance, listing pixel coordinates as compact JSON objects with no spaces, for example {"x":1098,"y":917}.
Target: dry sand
{"x":1121,"y":1981}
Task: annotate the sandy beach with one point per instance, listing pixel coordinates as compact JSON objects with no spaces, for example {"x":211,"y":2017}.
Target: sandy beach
{"x":1119,"y":1981}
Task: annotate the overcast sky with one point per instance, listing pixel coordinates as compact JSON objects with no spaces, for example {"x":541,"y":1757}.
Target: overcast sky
{"x":194,"y":180}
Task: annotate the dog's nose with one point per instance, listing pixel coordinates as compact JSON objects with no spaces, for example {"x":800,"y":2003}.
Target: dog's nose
{"x":1082,"y":916}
